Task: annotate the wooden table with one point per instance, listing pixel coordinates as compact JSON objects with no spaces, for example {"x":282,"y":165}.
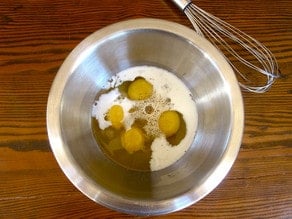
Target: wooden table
{"x":35,"y":38}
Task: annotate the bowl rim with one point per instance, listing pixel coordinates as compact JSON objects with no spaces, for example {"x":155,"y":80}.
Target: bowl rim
{"x":110,"y":200}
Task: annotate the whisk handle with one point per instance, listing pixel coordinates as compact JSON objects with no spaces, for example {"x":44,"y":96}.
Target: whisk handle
{"x":182,"y":4}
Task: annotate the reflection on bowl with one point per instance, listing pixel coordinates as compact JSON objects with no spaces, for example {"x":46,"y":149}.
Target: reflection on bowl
{"x":165,"y":45}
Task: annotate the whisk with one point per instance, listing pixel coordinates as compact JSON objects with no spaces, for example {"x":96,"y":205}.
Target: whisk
{"x":219,"y":31}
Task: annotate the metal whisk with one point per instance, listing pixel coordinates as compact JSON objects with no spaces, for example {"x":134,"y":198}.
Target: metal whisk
{"x":219,"y":31}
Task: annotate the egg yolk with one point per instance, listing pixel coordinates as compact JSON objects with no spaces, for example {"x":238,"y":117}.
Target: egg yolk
{"x":169,"y":122}
{"x":140,"y":89}
{"x":133,"y":140}
{"x":115,"y":115}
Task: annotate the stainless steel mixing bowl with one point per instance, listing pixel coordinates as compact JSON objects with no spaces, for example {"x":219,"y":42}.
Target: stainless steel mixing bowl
{"x":204,"y":71}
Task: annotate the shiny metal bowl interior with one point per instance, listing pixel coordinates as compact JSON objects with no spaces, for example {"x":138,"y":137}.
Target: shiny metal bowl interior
{"x":145,"y":42}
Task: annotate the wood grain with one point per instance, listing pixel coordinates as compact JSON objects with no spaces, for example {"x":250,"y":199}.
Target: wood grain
{"x":35,"y":38}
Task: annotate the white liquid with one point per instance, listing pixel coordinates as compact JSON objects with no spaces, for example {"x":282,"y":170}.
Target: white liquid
{"x":166,"y":87}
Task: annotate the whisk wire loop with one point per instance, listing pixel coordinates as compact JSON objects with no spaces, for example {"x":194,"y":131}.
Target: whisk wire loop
{"x":217,"y":31}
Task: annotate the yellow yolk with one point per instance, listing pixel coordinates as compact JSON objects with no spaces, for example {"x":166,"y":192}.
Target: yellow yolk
{"x":140,"y":89}
{"x":115,"y":115}
{"x":169,"y":122}
{"x":133,"y":140}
